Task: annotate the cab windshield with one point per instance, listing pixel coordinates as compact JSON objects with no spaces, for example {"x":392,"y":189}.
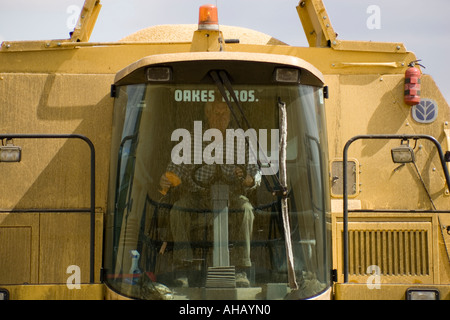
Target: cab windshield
{"x":195,"y":210}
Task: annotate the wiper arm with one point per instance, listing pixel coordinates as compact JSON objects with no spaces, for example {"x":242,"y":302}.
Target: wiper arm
{"x":220,"y":79}
{"x":221,"y":88}
{"x":230,"y":89}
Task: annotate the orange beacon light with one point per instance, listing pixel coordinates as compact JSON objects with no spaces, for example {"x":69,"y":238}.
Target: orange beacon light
{"x":208,"y":18}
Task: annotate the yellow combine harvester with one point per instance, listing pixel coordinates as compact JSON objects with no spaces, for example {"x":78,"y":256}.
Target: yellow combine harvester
{"x":335,"y":184}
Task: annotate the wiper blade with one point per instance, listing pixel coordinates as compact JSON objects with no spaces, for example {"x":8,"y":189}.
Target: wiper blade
{"x":284,"y":203}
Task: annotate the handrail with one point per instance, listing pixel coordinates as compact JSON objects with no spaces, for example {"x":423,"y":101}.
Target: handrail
{"x":92,"y":191}
{"x":345,"y":192}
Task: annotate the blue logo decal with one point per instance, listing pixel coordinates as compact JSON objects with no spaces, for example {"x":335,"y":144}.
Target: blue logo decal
{"x":425,"y":112}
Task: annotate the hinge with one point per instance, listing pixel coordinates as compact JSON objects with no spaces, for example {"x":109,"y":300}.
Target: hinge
{"x":325,"y":92}
{"x":113,"y":91}
{"x":334,"y":275}
{"x":102,"y":274}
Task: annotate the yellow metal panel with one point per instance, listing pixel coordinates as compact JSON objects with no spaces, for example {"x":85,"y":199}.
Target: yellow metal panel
{"x":52,"y":171}
{"x":94,"y":58}
{"x":39,"y":247}
{"x":369,"y":46}
{"x":53,"y":174}
{"x":19,"y":248}
{"x":207,"y":41}
{"x":64,"y":242}
{"x":401,"y":245}
{"x":373,"y":104}
{"x":220,"y":56}
{"x":444,"y":246}
{"x":353,"y":291}
{"x":15,"y":251}
{"x":56,"y":292}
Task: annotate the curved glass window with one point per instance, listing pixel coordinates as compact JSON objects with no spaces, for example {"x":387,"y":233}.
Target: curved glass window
{"x":195,"y":195}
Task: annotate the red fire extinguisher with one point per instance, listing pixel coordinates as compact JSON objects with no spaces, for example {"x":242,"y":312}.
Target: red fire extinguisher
{"x":412,"y":83}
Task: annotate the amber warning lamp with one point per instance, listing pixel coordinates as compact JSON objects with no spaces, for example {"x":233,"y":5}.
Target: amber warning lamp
{"x":208,"y":18}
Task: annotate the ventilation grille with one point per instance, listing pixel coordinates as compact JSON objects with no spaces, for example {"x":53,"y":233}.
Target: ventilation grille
{"x":394,"y":252}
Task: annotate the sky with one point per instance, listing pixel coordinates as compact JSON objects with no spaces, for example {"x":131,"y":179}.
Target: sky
{"x":423,"y":26}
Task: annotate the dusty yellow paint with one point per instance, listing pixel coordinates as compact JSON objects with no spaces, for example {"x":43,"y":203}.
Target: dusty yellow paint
{"x":353,"y":291}
{"x":38,"y":247}
{"x":56,"y":292}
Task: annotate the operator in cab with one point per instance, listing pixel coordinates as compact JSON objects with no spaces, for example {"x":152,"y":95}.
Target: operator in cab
{"x":196,"y":184}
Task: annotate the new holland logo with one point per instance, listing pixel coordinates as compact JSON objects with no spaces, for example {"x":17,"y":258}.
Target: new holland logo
{"x":425,"y":112}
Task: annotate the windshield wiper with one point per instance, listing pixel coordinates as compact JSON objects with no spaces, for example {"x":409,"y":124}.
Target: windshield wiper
{"x":220,"y":79}
{"x":284,"y":202}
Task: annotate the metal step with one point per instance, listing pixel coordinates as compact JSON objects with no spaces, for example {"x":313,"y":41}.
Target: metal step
{"x":221,"y":277}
